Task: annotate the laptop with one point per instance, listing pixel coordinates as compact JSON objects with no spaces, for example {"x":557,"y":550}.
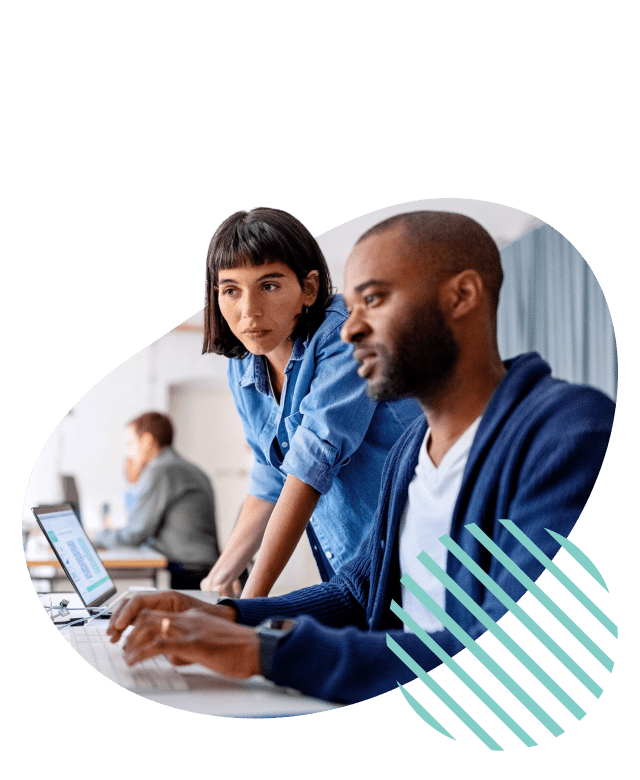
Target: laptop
{"x":78,"y":557}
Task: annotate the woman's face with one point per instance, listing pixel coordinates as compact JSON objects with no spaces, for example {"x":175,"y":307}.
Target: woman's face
{"x":261,"y":305}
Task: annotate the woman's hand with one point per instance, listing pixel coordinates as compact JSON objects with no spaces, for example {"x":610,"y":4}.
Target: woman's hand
{"x":286,"y":525}
{"x":242,"y":546}
{"x":168,"y":601}
{"x":193,"y":636}
{"x":228,"y":587}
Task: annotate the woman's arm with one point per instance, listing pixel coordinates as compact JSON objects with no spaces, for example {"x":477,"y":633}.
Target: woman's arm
{"x":286,"y":525}
{"x":242,"y":546}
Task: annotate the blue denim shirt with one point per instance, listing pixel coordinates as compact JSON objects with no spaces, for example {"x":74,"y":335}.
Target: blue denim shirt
{"x":329,"y":433}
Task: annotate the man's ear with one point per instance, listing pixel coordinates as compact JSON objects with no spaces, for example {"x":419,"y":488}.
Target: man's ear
{"x":147,"y":442}
{"x":462,"y":293}
{"x":311,"y":286}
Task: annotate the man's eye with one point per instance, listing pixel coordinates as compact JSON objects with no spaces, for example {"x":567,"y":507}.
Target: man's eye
{"x":371,"y":298}
{"x":269,"y":286}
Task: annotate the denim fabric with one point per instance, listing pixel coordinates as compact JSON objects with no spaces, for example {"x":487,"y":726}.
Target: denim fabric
{"x":326,"y":430}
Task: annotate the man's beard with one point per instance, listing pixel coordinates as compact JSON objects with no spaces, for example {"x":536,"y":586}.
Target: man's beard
{"x":424,"y":358}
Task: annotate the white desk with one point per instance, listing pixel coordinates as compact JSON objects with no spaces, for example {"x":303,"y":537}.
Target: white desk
{"x":212,"y":694}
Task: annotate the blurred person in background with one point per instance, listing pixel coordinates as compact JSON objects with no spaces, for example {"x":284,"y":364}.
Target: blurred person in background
{"x":174,"y":510}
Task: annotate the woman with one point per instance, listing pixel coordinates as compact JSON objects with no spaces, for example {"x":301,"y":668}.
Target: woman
{"x":319,"y":442}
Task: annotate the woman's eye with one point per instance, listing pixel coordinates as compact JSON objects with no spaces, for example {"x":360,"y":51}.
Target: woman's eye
{"x":228,"y":291}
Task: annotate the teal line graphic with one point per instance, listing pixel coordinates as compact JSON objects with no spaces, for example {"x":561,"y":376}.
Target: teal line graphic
{"x":463,"y":675}
{"x":442,"y":694}
{"x":577,"y":554}
{"x":542,"y":597}
{"x":509,"y":683}
{"x":561,"y":577}
{"x":501,"y":635}
{"x":426,"y":716}
{"x":521,"y":615}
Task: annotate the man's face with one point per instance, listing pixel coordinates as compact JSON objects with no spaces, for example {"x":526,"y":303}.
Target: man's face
{"x":395,"y":324}
{"x":138,"y":448}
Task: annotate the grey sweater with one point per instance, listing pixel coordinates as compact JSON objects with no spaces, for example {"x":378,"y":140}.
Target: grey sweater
{"x":174,"y":513}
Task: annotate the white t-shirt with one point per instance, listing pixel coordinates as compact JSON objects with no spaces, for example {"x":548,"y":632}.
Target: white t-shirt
{"x":427,"y":516}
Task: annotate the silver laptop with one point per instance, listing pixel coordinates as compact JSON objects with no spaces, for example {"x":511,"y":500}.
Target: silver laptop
{"x":86,"y":572}
{"x":78,"y":557}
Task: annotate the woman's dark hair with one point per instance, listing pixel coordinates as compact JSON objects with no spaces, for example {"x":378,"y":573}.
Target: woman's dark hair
{"x":258,"y":237}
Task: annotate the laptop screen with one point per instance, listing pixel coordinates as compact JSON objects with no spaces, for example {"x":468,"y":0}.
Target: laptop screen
{"x":76,"y":554}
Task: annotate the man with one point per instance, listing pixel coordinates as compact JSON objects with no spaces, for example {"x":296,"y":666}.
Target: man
{"x":174,"y":510}
{"x":497,"y":441}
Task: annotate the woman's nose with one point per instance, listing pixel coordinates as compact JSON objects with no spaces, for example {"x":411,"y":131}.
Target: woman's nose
{"x":251,"y":305}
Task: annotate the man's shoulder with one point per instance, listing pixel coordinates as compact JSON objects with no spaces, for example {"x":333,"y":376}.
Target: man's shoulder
{"x":572,"y":405}
{"x":530,"y":395}
{"x":170,"y":464}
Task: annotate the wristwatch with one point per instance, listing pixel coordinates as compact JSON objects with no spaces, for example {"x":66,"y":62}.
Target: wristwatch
{"x":270,"y":633}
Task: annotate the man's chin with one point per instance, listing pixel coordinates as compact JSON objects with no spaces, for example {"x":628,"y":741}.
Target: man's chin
{"x":383,"y":390}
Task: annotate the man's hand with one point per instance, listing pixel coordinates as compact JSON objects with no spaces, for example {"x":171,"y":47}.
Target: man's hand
{"x":193,"y":636}
{"x":168,"y":601}
{"x":132,"y":471}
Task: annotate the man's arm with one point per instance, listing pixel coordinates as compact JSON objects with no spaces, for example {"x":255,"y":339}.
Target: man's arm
{"x":329,"y":655}
{"x":351,"y":665}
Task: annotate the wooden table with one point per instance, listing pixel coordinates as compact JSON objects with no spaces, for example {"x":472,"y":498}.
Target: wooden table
{"x":130,"y":562}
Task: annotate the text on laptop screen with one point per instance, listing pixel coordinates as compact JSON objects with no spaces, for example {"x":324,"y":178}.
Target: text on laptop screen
{"x":72,"y":545}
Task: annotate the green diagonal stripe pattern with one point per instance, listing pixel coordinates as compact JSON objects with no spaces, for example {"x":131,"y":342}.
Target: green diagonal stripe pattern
{"x":463,"y":675}
{"x":442,"y":694}
{"x":426,"y":716}
{"x":510,"y":684}
{"x":577,"y":554}
{"x":501,"y":635}
{"x":561,"y":577}
{"x":539,"y":594}
{"x":521,"y":615}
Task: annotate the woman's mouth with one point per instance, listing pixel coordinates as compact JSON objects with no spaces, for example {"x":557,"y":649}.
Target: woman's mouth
{"x":256,"y":334}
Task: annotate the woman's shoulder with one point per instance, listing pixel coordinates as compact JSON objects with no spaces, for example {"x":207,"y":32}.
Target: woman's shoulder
{"x":335,"y":315}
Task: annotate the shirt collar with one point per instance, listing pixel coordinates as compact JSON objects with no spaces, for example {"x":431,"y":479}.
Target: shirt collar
{"x":256,"y":372}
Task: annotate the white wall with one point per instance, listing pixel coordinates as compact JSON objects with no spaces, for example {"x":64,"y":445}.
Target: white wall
{"x":89,"y":441}
{"x":503,"y":223}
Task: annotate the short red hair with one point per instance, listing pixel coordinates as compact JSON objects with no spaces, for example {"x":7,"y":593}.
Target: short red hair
{"x":155,"y":423}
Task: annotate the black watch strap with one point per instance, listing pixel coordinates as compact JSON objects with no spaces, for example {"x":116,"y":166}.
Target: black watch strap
{"x":270,"y":633}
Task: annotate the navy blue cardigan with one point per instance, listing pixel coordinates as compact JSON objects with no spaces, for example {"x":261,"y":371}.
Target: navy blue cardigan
{"x":534,"y":460}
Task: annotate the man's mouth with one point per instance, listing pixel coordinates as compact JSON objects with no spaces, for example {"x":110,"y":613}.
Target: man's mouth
{"x":367,"y":357}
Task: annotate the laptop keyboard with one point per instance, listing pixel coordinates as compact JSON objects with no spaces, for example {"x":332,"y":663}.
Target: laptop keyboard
{"x":153,"y":675}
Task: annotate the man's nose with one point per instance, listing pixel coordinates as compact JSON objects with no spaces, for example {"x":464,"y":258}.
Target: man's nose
{"x":354,"y":329}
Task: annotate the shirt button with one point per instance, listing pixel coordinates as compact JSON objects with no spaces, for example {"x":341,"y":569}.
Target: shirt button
{"x":284,"y":445}
{"x":329,"y":555}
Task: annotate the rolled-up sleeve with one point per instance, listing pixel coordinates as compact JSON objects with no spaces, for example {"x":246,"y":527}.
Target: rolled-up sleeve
{"x":333,"y":417}
{"x":265,"y":482}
